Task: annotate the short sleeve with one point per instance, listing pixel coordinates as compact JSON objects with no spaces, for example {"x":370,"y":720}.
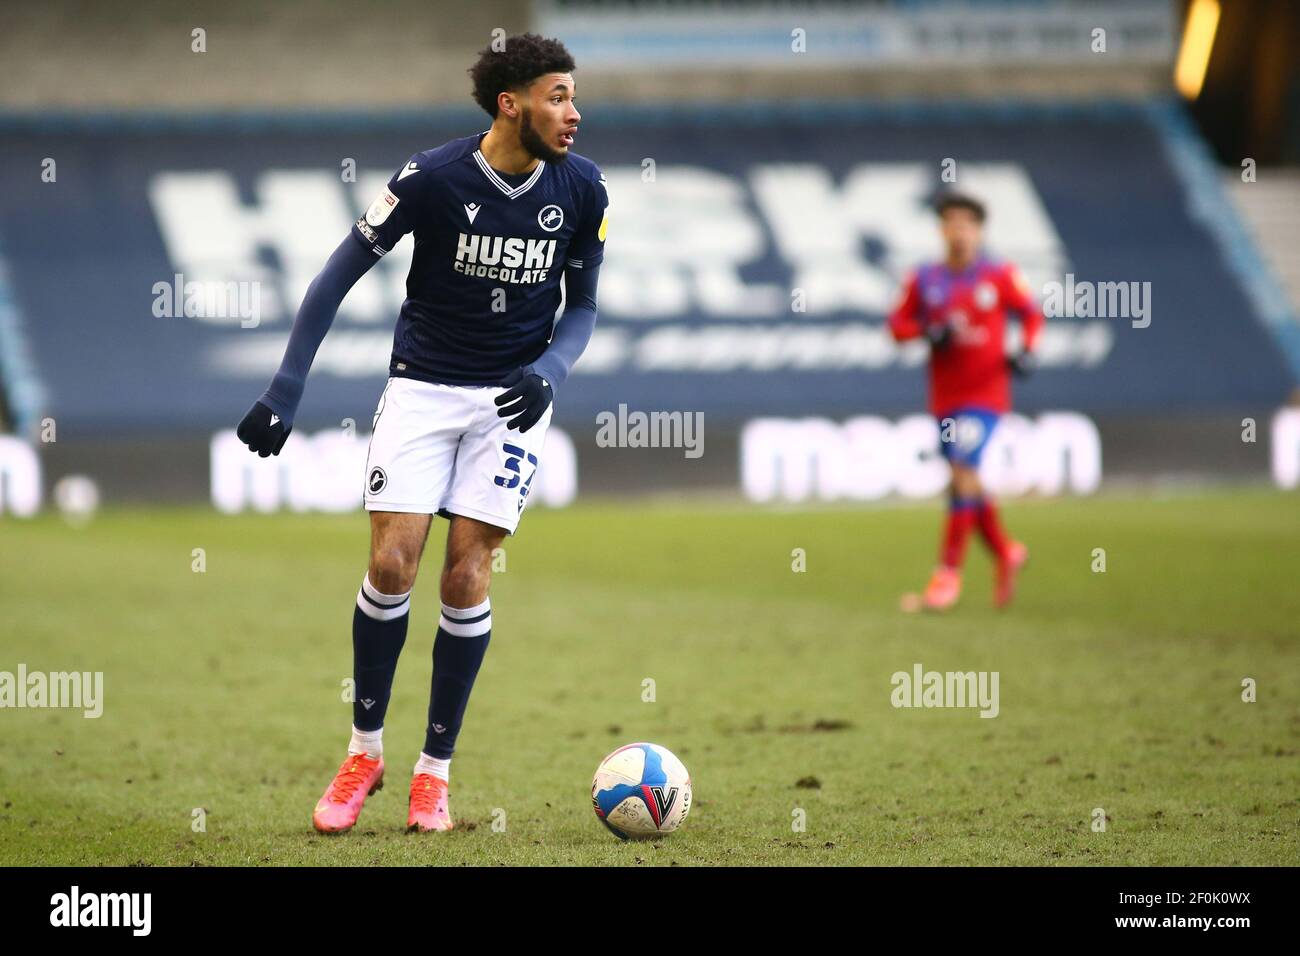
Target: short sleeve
{"x":391,"y":215}
{"x":588,"y":246}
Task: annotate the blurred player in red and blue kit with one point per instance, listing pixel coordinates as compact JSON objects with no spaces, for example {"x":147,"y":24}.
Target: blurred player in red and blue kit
{"x":960,"y":306}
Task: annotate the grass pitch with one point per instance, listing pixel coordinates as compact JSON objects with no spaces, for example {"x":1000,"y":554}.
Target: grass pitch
{"x":1118,"y":690}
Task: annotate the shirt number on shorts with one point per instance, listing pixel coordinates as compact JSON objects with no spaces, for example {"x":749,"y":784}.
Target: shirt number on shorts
{"x":514,"y":459}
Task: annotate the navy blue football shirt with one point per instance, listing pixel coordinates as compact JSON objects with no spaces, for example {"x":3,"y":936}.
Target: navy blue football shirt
{"x":490,"y":249}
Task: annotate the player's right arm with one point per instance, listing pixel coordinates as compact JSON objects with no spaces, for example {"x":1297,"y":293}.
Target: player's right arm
{"x":905,"y":320}
{"x":266,"y":426}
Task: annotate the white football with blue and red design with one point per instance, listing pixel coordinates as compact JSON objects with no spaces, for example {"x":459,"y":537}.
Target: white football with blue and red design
{"x":641,"y":792}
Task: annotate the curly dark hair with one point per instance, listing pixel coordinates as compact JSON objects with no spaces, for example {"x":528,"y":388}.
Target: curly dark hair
{"x":525,"y":58}
{"x":951,"y":199}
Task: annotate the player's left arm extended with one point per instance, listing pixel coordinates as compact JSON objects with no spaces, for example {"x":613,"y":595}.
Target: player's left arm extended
{"x":532,"y":388}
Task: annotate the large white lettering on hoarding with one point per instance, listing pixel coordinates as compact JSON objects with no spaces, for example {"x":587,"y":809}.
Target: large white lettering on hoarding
{"x":789,"y":459}
{"x":20,"y":477}
{"x":821,"y":228}
{"x":696,"y":251}
{"x":1286,"y":448}
{"x":213,"y":236}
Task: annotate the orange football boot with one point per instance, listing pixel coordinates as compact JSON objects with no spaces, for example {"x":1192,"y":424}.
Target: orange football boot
{"x":428,"y":808}
{"x":358,"y":778}
{"x":943,"y":590}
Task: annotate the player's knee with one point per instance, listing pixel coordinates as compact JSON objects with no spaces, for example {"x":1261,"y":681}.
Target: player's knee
{"x":392,"y":570}
{"x":465,"y":579}
{"x":965,"y":480}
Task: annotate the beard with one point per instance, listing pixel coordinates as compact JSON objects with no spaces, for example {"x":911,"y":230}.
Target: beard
{"x":534,"y":144}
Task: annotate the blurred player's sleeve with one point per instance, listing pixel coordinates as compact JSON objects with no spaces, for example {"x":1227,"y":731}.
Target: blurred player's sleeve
{"x":905,"y":320}
{"x":1018,"y":297}
{"x":581,"y":271}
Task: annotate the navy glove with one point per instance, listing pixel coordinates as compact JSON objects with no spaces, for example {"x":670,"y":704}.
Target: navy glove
{"x":939,"y":335}
{"x":528,"y":396}
{"x":1023,"y":364}
{"x":263,"y":431}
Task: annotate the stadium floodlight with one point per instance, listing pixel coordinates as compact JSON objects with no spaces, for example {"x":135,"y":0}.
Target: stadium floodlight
{"x":1198,"y":42}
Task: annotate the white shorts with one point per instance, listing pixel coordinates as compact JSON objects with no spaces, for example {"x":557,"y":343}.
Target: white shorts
{"x":443,"y":449}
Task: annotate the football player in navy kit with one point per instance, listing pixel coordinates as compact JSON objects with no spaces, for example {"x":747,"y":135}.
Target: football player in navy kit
{"x":498,"y":219}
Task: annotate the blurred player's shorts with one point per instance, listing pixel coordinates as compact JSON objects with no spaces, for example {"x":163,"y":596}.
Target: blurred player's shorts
{"x":964,"y":434}
{"x":442,"y":449}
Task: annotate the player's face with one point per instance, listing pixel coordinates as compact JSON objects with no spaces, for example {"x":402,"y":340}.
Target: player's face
{"x":548,"y":119}
{"x":962,"y":233}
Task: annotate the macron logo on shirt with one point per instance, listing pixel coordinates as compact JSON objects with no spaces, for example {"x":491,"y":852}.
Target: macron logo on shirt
{"x":410,"y":168}
{"x":471,"y":210}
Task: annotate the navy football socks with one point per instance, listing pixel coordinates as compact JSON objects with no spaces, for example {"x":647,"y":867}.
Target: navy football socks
{"x":378,"y":633}
{"x":463,"y":635}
